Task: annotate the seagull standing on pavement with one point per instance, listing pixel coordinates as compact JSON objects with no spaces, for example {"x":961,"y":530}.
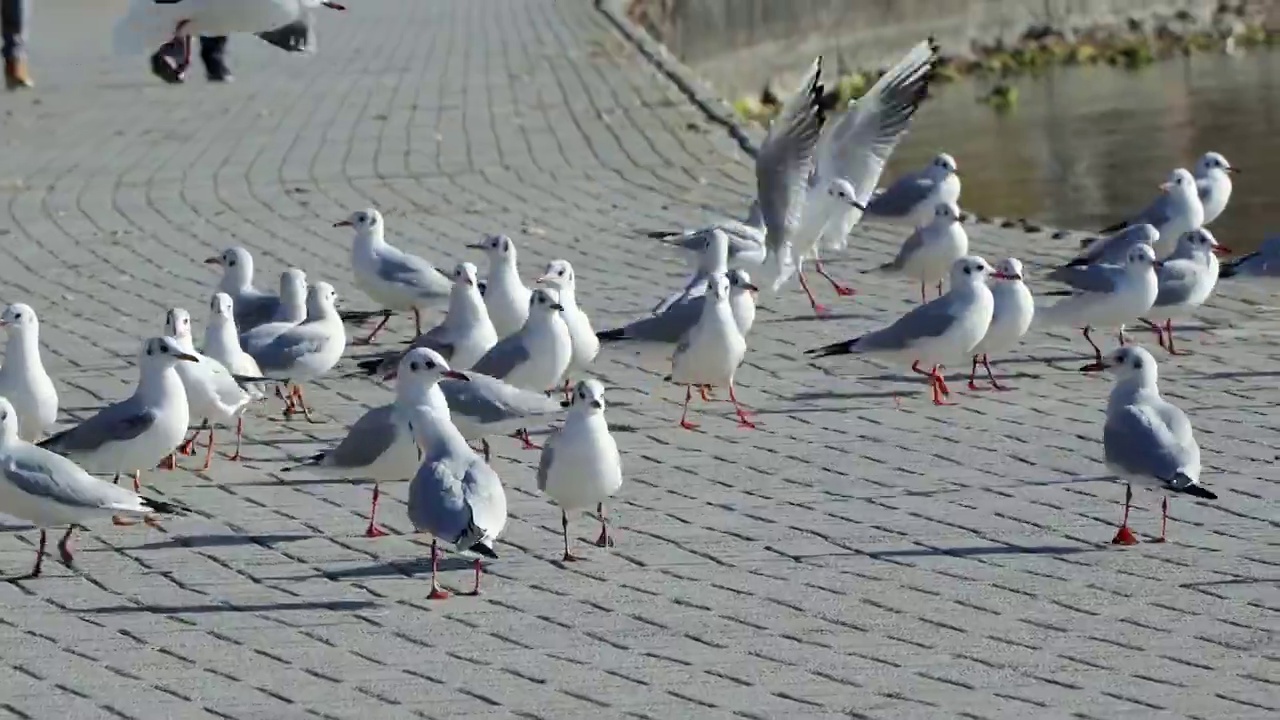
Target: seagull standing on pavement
{"x":222,"y":343}
{"x":1184,"y":282}
{"x":585,"y":345}
{"x":379,"y":445}
{"x":48,"y":490}
{"x":1146,"y":440}
{"x":672,"y":323}
{"x":580,"y":464}
{"x":932,"y":249}
{"x":253,"y":307}
{"x":944,"y":329}
{"x":1107,"y":296}
{"x":1111,"y":249}
{"x":1212,"y":176}
{"x":139,"y":431}
{"x":289,"y":310}
{"x":392,"y":278}
{"x":23,"y":379}
{"x":455,"y":496}
{"x":1013,"y":312}
{"x":505,"y":294}
{"x":308,"y":350}
{"x":1175,"y":211}
{"x":709,"y":355}
{"x":912,"y":198}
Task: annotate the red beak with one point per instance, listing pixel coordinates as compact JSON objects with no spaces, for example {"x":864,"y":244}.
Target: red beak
{"x":1222,"y":250}
{"x":392,"y":374}
{"x":455,"y":375}
{"x":342,"y":223}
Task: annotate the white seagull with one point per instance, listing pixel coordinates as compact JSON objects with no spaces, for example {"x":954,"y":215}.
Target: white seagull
{"x":1184,"y":282}
{"x":308,"y":350}
{"x":1014,"y":310}
{"x":911,"y":199}
{"x":505,"y":294}
{"x":1177,"y":210}
{"x":289,"y":310}
{"x":222,"y":342}
{"x":1213,"y":185}
{"x":559,"y":275}
{"x":580,"y":464}
{"x":709,"y":355}
{"x":1107,"y":296}
{"x":48,"y":490}
{"x":1146,"y":440}
{"x":932,"y":249}
{"x":23,"y":379}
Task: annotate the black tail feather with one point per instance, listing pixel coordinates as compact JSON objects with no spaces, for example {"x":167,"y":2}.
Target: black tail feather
{"x":844,"y":347}
{"x":485,"y":550}
{"x":615,"y":334}
{"x":370,"y":366}
{"x":165,"y":507}
{"x":1197,"y":491}
{"x":360,"y":315}
{"x":1114,"y":228}
{"x":1231,"y":269}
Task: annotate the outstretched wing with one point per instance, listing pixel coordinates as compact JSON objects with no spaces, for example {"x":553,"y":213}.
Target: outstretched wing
{"x":786,"y":160}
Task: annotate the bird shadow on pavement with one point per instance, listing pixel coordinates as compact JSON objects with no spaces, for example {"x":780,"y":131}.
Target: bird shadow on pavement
{"x":335,"y":605}
{"x":865,"y":395}
{"x":408,"y":568}
{"x":982,"y":551}
{"x":227,"y":540}
{"x":814,"y":318}
{"x":1239,"y":375}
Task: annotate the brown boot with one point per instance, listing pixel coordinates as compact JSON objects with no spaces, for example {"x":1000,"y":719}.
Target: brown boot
{"x":15,"y":74}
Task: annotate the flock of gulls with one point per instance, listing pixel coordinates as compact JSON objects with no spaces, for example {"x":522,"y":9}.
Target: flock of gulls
{"x":499,"y":358}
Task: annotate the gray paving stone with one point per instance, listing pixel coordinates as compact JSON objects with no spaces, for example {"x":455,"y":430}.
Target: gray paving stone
{"x":862,"y":554}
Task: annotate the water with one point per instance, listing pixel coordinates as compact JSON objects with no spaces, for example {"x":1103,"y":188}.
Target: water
{"x":1086,"y":146}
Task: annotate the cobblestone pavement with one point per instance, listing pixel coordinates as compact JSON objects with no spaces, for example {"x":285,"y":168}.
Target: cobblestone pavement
{"x":856,"y":556}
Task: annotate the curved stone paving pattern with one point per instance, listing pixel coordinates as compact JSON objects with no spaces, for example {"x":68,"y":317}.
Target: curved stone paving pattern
{"x":856,"y":557}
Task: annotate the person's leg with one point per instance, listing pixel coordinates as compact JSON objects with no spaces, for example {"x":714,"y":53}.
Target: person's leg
{"x":213,"y":54}
{"x":13,"y":21}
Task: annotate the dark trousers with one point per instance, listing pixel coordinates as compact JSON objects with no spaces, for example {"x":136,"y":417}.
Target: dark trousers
{"x":212,"y":51}
{"x":13,"y":28}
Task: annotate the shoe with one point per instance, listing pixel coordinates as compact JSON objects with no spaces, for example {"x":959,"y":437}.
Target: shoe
{"x":212,"y":54}
{"x":16,"y":76}
{"x":166,"y":63}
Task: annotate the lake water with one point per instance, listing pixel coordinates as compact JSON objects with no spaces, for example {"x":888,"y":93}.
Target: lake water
{"x":1088,"y":145}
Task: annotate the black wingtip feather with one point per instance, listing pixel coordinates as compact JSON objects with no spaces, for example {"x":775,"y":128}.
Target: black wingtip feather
{"x":615,"y":334}
{"x":485,"y":550}
{"x":844,"y":347}
{"x":370,"y":367}
{"x":164,"y":507}
{"x":1197,"y":491}
{"x":1227,"y":270}
{"x":1117,"y":227}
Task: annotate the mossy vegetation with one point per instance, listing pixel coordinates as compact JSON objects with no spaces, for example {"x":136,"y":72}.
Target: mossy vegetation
{"x":1132,"y":47}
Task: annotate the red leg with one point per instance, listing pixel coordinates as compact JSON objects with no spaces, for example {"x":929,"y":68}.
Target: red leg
{"x":1120,"y":336}
{"x":437,"y":592}
{"x":417,"y":321}
{"x":684,"y":416}
{"x":939,"y":380}
{"x":991,"y":376}
{"x":705,"y":392}
{"x":169,"y":463}
{"x":44,"y":541}
{"x":1168,"y":330}
{"x":386,"y":317}
{"x":1164,"y":520}
{"x":604,"y":540}
{"x":973,"y":373}
{"x":818,"y":308}
{"x":1125,"y":536}
{"x":841,"y":290}
{"x":1097,"y":351}
{"x":564,"y":525}
{"x":208,"y":455}
{"x":188,"y":447}
{"x":137,"y":481}
{"x":373,"y":530}
{"x":239,"y":436}
{"x":743,"y":422}
{"x":300,"y":405}
{"x":523,"y":436}
{"x":484,"y":445}
{"x":64,"y":547}
{"x":475,"y":591}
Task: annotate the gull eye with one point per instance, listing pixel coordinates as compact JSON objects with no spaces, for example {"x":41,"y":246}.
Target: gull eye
{"x":560,"y":272}
{"x":413,"y":365}
{"x":430,"y":365}
{"x":17,"y":316}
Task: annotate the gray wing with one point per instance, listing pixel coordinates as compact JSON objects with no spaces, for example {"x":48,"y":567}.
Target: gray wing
{"x":503,"y":358}
{"x":485,"y":400}
{"x":1113,"y":248}
{"x":63,"y":482}
{"x":857,"y":147}
{"x":1136,"y":440}
{"x":253,"y":310}
{"x":1176,"y":281}
{"x":437,"y":338}
{"x":901,"y":198}
{"x":369,"y":439}
{"x":121,"y":422}
{"x":669,"y":326}
{"x":924,"y":321}
{"x":436,"y":502}
{"x":1090,"y":278}
{"x":287,"y":349}
{"x":1159,"y":212}
{"x":405,"y":269}
{"x":545,"y":462}
{"x":909,"y":247}
{"x":785,"y":159}
{"x":1263,"y":263}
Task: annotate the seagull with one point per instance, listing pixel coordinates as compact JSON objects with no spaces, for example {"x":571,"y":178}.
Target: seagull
{"x":23,"y":379}
{"x":585,"y":346}
{"x":672,"y":323}
{"x":1013,"y":312}
{"x":746,"y":239}
{"x":536,"y":357}
{"x":213,"y":393}
{"x":137,"y":432}
{"x":1213,"y":185}
{"x":253,"y":307}
{"x":149,"y":24}
{"x":308,"y":350}
{"x":1112,"y":249}
{"x":455,"y":496}
{"x":852,"y":154}
{"x":580,"y":464}
{"x":1263,"y":263}
{"x":392,"y":278}
{"x":709,"y":355}
{"x":912,"y":198}
{"x":712,"y":259}
{"x":1177,"y":210}
{"x":222,"y":343}
{"x":49,"y":490}
{"x":932,"y":249}
{"x":479,"y":405}
{"x":464,"y":336}
{"x":289,"y":310}
{"x":1107,"y":295}
{"x":1146,"y":440}
{"x":505,"y":294}
{"x":379,"y":445}
{"x":1185,"y":281}
{"x":944,"y":329}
